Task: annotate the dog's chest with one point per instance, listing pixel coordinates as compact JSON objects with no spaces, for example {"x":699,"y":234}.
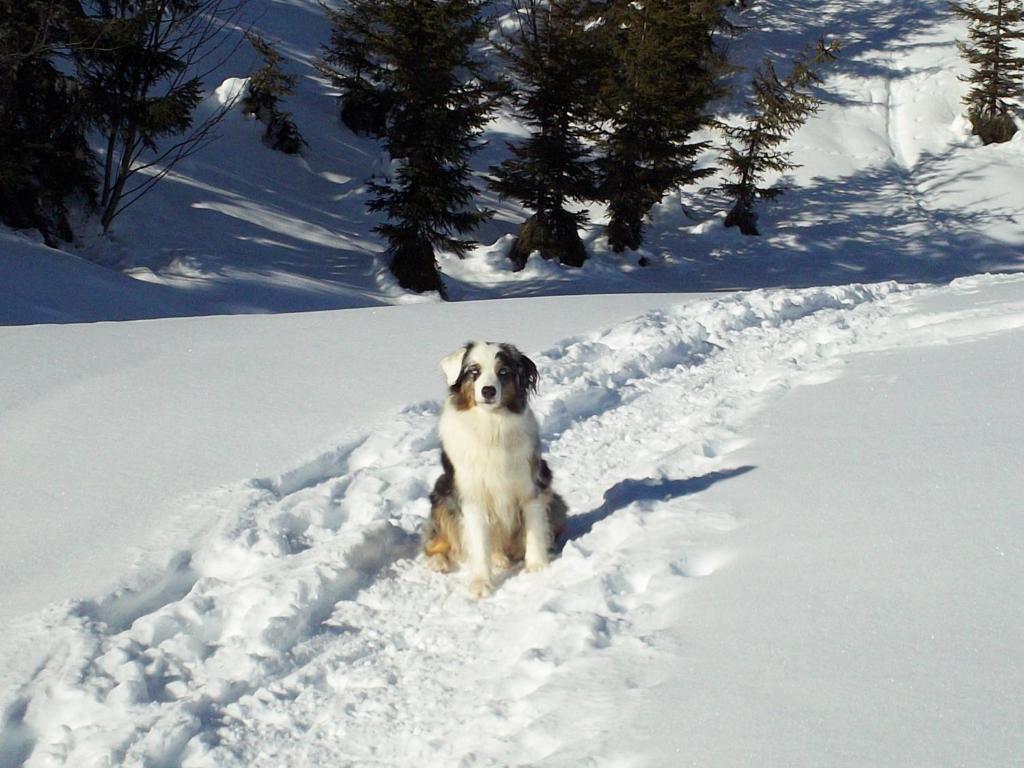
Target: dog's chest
{"x":492,"y":454}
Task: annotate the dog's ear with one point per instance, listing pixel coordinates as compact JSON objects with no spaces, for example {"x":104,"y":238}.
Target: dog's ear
{"x":528,"y":375}
{"x":451,"y":364}
{"x":526,"y":369}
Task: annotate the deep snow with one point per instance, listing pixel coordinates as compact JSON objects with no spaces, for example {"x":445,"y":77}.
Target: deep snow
{"x":718,"y":601}
{"x":827,"y":578}
{"x":872,"y":612}
{"x":106,"y":427}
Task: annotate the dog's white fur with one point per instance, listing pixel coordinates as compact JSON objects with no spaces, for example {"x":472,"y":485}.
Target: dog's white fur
{"x":494,"y":452}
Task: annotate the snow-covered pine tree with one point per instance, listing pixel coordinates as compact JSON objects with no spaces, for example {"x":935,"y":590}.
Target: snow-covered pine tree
{"x":553,"y":88}
{"x":267,"y":85}
{"x":142,"y":81}
{"x":419,"y":60}
{"x":777,"y":109}
{"x":44,"y":157}
{"x":663,"y":69}
{"x":996,"y":72}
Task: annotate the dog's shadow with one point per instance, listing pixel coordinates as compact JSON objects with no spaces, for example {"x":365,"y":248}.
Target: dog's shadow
{"x":627,"y":492}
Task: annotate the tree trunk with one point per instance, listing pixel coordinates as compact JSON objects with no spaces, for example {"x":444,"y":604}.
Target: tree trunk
{"x":743,"y":216}
{"x":414,"y":266}
{"x":554,"y":236}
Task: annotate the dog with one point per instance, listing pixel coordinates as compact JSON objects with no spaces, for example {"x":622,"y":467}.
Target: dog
{"x":494,"y":503}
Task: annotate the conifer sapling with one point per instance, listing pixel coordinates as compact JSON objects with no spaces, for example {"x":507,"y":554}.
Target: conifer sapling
{"x":663,"y":68}
{"x":266,"y":87}
{"x":996,"y":72}
{"x":355,"y":61}
{"x":45,"y":161}
{"x":778,"y":108}
{"x":142,"y":81}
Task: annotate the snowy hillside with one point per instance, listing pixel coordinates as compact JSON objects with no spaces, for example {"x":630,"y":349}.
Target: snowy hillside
{"x":891,"y":187}
{"x":794,"y":463}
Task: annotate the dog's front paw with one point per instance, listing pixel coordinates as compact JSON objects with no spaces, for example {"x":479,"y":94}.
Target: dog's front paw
{"x":536,"y":564}
{"x":438,"y":563}
{"x":500,"y":561}
{"x":481,"y":587}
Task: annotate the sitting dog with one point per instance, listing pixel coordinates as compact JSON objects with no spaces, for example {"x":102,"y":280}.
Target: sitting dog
{"x":494,"y":502}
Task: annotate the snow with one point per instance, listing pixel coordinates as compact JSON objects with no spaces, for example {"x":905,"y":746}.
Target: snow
{"x":871,"y":610}
{"x":231,"y":90}
{"x":137,"y":416}
{"x":795,"y":535}
{"x":715,"y":600}
{"x":889,"y":187}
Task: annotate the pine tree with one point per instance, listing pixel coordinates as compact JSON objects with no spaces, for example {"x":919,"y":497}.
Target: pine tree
{"x":665,"y":68}
{"x":553,"y":64}
{"x":142,"y":80}
{"x":421,"y":60}
{"x":266,"y":87}
{"x":44,"y":157}
{"x":996,"y":73}
{"x":778,"y":108}
{"x":353,"y":61}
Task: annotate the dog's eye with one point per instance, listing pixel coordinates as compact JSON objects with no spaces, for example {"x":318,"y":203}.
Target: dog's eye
{"x":504,"y":373}
{"x":474,"y":373}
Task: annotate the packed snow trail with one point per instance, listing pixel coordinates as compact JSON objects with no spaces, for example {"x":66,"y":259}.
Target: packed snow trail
{"x":305,"y":630}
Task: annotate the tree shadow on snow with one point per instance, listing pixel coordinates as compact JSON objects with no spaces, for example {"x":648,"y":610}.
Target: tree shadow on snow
{"x":881,"y":223}
{"x":627,"y":492}
{"x":869,"y":31}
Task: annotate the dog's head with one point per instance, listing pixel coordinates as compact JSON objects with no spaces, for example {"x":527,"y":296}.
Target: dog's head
{"x":489,"y":376}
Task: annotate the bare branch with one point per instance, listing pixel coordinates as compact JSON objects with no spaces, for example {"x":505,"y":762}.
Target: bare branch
{"x":145,"y":104}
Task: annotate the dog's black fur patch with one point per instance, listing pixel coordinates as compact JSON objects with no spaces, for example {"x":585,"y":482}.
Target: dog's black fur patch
{"x":525,"y":376}
{"x":444,"y":486}
{"x":456,"y":387}
{"x":544,"y":476}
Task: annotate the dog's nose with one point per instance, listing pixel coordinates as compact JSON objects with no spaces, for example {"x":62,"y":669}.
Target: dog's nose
{"x":488,"y":392}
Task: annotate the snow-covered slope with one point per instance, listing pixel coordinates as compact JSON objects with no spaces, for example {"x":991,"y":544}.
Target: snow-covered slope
{"x":891,"y":187}
{"x":209,"y":553}
{"x":716,"y":601}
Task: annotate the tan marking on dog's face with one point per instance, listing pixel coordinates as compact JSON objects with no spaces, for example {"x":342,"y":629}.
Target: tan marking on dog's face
{"x":462,"y":398}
